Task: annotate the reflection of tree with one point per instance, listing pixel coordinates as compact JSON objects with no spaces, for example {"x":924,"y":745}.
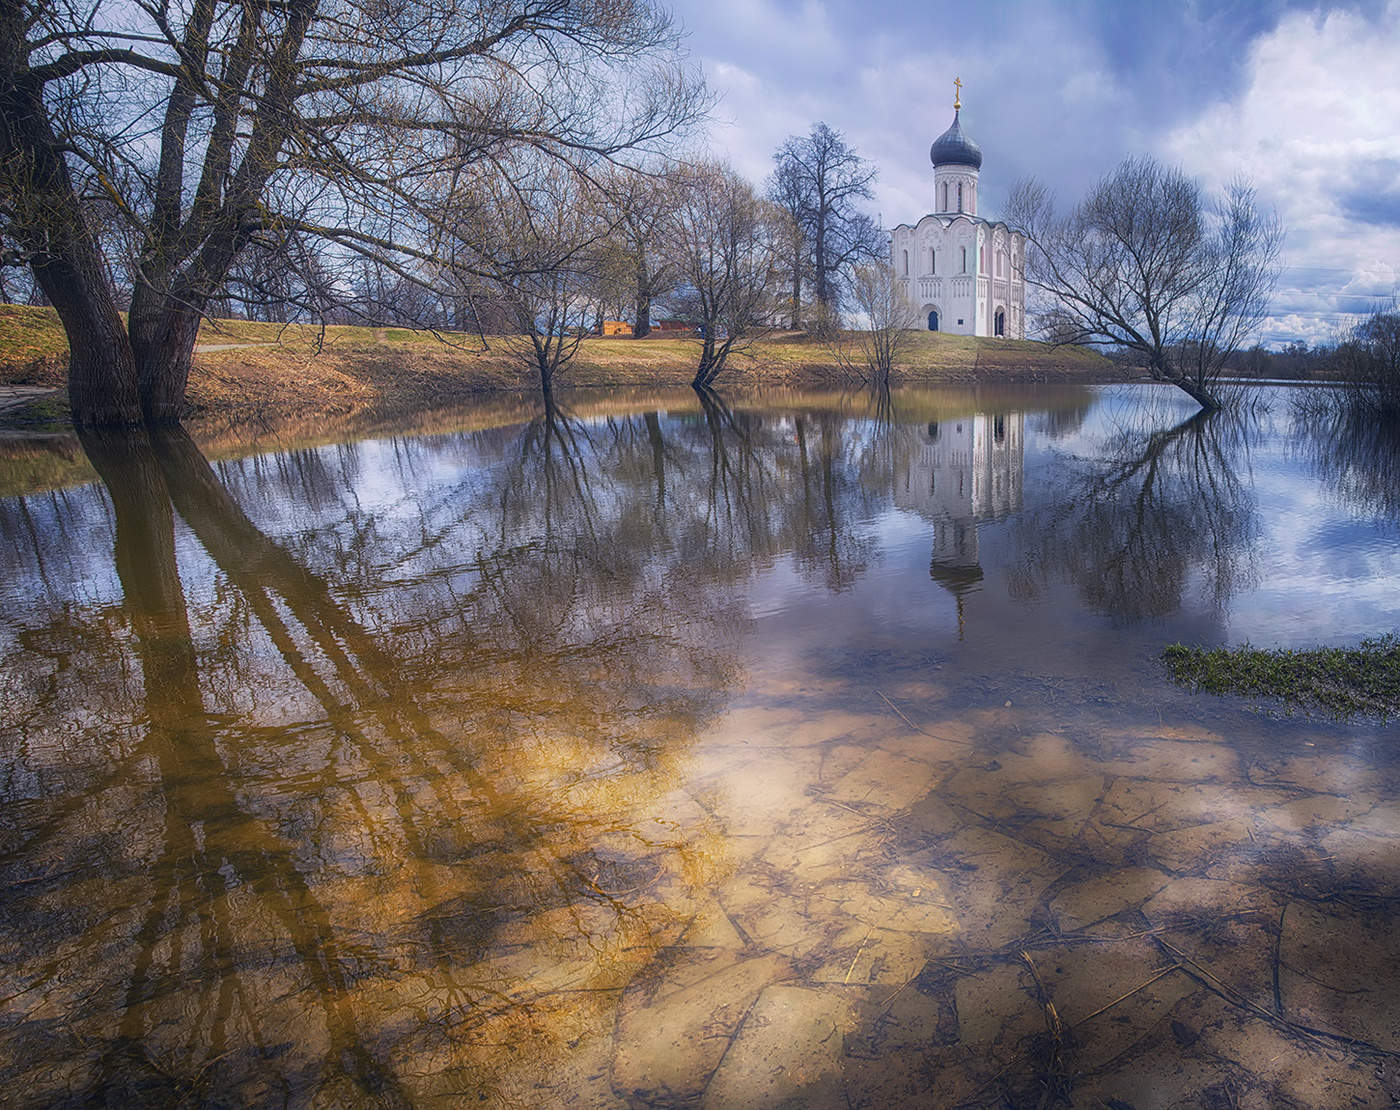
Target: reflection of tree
{"x":369,"y":784}
{"x":1130,"y":524}
{"x":1061,"y":421}
{"x":422,"y":791}
{"x":752,"y":500}
{"x":1357,"y":456}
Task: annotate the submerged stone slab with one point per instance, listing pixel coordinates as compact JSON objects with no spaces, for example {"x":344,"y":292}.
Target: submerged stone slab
{"x":880,"y":956}
{"x":1172,"y":760}
{"x":787,"y":1053}
{"x":1201,"y":899}
{"x":886,"y":779}
{"x":674,"y":1027}
{"x":995,"y":1011}
{"x":1338,"y":967}
{"x":1083,"y":979}
{"x":994,"y":883}
{"x":1081,"y":904}
{"x":1060,"y":808}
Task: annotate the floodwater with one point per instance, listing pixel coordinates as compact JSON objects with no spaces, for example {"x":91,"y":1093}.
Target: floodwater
{"x":800,"y":751}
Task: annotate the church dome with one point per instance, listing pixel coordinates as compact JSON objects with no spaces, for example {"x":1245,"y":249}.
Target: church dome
{"x":954,"y":148}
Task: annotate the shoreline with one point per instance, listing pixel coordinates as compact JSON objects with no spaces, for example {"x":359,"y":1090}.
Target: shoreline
{"x":253,"y":370}
{"x":36,"y":457}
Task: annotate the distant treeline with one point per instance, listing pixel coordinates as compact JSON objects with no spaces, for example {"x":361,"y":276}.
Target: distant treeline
{"x":1295,"y":361}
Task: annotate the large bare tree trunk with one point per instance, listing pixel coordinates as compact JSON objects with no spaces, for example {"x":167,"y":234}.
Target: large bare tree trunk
{"x":163,"y":334}
{"x":67,"y":265}
{"x":102,"y":379}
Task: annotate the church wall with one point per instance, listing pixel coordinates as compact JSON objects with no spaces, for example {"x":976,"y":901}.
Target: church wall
{"x":974,"y":296}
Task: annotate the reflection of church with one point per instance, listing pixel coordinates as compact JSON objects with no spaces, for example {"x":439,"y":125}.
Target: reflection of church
{"x":959,"y":473}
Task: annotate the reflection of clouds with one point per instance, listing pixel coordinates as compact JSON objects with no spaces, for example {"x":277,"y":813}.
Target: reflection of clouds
{"x":523,"y":732}
{"x":1327,"y":502}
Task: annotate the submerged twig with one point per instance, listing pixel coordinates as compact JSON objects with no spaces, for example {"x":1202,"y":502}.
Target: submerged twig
{"x":1211,"y":982}
{"x":1127,"y":995}
{"x":854,"y":958}
{"x":903,"y":985}
{"x":922,"y":731}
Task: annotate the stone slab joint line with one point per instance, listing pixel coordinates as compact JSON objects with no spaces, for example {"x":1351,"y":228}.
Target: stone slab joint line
{"x":1207,"y":979}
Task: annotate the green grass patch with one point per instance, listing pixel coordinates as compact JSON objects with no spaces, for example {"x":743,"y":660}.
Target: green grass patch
{"x":1344,"y":683}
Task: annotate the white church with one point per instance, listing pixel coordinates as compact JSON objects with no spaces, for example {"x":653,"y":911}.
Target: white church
{"x":964,"y":272}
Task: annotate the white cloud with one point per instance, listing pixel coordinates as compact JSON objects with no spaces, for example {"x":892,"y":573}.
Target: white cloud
{"x":1314,"y":127}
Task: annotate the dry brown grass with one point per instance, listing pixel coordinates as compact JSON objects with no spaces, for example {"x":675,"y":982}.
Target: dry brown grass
{"x":32,"y":348}
{"x":302,"y":369}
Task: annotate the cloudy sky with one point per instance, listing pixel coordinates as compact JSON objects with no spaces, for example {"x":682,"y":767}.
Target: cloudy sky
{"x":1303,"y":99}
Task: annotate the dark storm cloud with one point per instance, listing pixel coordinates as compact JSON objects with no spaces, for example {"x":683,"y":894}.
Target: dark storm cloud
{"x":1373,"y":196}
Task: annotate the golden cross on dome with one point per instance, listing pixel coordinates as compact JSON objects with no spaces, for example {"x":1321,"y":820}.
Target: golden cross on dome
{"x":957,"y":96}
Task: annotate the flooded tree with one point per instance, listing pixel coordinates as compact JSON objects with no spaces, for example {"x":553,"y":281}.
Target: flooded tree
{"x":538,"y":234}
{"x":1157,"y":504}
{"x":1369,"y":358}
{"x":207,"y":128}
{"x":723,"y":237}
{"x":1146,"y":265}
{"x":886,"y":326}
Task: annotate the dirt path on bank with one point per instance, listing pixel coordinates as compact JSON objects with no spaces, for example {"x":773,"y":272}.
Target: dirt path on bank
{"x":17,"y":396}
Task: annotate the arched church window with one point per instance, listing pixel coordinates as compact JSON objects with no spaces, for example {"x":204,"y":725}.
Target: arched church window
{"x":964,"y":260}
{"x":945,"y":196}
{"x":959,"y":196}
{"x":906,"y":263}
{"x":932,"y":261}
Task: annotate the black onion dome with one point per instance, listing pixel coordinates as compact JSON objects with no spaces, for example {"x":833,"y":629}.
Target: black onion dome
{"x":954,"y":148}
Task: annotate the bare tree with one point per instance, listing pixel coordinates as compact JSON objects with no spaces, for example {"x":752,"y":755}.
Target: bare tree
{"x":819,"y":179}
{"x":208,"y":122}
{"x":888,"y":318}
{"x":1143,"y":264}
{"x":722,"y":239}
{"x":785,"y":190}
{"x":642,"y":203}
{"x":1369,"y":358}
{"x":539,"y":232}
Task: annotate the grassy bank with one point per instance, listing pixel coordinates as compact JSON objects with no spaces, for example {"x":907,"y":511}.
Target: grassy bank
{"x":1337,"y":682}
{"x":258,"y":368}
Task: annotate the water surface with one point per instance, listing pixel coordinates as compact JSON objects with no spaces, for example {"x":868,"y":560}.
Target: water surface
{"x":681,"y":751}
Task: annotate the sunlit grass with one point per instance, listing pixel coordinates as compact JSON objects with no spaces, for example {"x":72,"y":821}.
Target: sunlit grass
{"x":33,"y":351}
{"x":1337,"y":682}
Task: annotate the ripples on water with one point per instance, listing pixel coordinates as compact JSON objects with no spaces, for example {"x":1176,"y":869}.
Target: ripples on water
{"x":684,"y":752}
